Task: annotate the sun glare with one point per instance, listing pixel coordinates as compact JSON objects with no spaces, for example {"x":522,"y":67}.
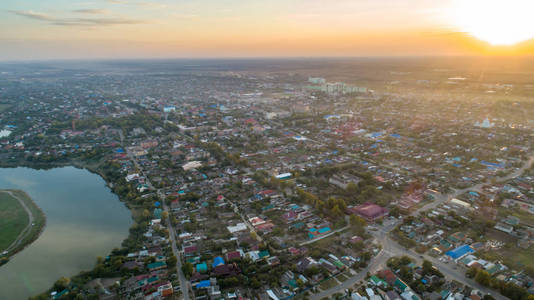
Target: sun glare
{"x":498,"y":22}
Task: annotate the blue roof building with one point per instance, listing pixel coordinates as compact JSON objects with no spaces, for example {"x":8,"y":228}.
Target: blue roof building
{"x":460,"y":252}
{"x":203,"y":284}
{"x":202,"y":268}
{"x":324,"y":230}
{"x":218,"y":261}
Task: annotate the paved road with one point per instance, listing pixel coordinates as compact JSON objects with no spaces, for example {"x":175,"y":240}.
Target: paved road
{"x":442,"y":198}
{"x":245,"y":220}
{"x":391,"y":248}
{"x":184,"y":283}
{"x":28,"y":227}
{"x":324,"y":236}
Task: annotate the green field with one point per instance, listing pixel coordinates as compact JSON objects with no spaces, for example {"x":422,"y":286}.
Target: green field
{"x":342,"y":277}
{"x":515,"y":257}
{"x":328,"y":284}
{"x":526,"y":218}
{"x":14,"y":219}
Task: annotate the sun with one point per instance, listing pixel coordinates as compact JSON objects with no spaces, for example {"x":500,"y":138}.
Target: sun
{"x":498,"y":22}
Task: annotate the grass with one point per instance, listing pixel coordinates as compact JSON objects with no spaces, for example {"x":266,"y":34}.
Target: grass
{"x":13,"y":219}
{"x":10,"y":232}
{"x":328,"y":284}
{"x":526,"y":218}
{"x":511,"y":255}
{"x":517,"y":257}
{"x":325,"y":243}
{"x":342,"y":277}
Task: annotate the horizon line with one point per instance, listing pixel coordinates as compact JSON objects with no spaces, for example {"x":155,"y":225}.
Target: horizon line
{"x":257,"y":58}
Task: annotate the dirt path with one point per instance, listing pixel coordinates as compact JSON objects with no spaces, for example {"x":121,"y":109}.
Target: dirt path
{"x":28,"y":227}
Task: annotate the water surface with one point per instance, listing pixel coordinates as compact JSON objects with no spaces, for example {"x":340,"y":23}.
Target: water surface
{"x":84,"y":219}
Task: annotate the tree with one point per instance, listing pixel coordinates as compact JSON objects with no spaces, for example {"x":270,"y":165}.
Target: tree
{"x":483,"y":277}
{"x":61,"y":284}
{"x":255,"y":284}
{"x":406,"y":274}
{"x":395,"y":211}
{"x":254,"y":235}
{"x":352,"y":189}
{"x":357,"y":221}
{"x":513,"y":291}
{"x":336,"y":212}
{"x":471,"y":272}
{"x":427,"y":267}
{"x":309,"y":272}
{"x":164,"y":215}
{"x":171,"y":261}
{"x":146,"y":213}
{"x":187,"y":269}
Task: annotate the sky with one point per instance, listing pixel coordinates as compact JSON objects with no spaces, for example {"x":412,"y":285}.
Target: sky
{"x":89,"y":29}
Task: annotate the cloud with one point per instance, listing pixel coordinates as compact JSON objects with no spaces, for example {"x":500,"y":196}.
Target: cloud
{"x":33,"y":15}
{"x":91,"y":22}
{"x":184,"y":16}
{"x":144,"y":4}
{"x":91,"y":11}
{"x":150,"y":4}
{"x":96,"y":22}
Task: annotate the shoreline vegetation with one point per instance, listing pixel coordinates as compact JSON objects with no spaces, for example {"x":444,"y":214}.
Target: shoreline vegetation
{"x":31,"y":232}
{"x":109,"y":171}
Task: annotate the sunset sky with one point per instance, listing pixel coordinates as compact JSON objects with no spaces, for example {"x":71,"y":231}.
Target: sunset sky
{"x":51,"y":29}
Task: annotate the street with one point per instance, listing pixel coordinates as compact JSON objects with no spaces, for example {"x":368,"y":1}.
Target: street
{"x":184,"y":283}
{"x":391,"y":248}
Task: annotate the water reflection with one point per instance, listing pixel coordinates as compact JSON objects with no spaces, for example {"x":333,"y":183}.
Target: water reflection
{"x":84,"y":220}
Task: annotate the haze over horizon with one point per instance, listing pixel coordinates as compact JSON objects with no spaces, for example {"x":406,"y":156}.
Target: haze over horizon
{"x":62,"y":29}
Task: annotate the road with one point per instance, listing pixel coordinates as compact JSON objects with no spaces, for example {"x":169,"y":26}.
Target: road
{"x":184,"y":283}
{"x":443,"y":198}
{"x":28,"y":227}
{"x":391,"y":248}
{"x":245,"y":220}
{"x":324,"y":236}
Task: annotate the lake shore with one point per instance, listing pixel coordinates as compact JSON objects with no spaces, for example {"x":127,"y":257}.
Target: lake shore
{"x":95,"y":167}
{"x":34,"y":229}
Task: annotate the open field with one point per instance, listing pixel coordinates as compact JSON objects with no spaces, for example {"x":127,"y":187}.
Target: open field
{"x":342,"y":277}
{"x":327,"y":284}
{"x":13,"y":220}
{"x":526,"y":218}
{"x":516,"y":257}
{"x":15,"y":228}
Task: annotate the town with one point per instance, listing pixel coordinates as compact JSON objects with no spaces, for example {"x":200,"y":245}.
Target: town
{"x":251,"y":181}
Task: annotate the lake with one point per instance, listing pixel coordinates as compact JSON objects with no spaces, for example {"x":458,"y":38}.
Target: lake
{"x":84,"y":219}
